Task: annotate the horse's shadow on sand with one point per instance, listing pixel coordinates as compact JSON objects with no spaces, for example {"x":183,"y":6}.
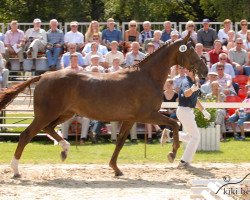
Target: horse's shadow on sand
{"x":122,"y":181}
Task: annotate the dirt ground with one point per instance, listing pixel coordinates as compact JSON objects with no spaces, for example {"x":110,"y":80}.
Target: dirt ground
{"x":90,"y":181}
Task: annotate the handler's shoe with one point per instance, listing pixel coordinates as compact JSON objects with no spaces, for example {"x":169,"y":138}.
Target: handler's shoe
{"x":165,"y":136}
{"x":183,"y":164}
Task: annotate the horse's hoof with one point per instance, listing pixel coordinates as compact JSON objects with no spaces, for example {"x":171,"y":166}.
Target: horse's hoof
{"x":119,"y":173}
{"x":63,"y":155}
{"x":17,"y":176}
{"x":171,"y":157}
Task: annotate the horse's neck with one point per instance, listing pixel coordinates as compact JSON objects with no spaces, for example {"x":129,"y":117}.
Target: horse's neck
{"x":158,"y":65}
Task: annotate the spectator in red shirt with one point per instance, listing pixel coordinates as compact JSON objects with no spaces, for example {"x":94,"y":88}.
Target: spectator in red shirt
{"x":214,"y":53}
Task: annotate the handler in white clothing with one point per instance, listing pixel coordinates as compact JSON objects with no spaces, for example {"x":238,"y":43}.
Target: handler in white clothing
{"x":188,"y":99}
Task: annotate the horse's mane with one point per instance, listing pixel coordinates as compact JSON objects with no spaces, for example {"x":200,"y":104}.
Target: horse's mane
{"x":146,"y":58}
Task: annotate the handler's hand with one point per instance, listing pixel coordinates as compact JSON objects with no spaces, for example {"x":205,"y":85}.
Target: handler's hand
{"x":194,"y":87}
{"x":206,"y":114}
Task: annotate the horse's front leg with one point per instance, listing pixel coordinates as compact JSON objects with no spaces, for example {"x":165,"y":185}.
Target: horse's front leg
{"x":159,"y":119}
{"x":123,"y":134}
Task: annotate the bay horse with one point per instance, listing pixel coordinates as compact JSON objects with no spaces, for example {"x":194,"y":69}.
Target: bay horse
{"x":129,"y":95}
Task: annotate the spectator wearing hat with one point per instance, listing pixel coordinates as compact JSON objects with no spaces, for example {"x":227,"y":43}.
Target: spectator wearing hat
{"x":65,"y":60}
{"x":14,"y":42}
{"x":156,"y":40}
{"x":134,"y":55}
{"x":94,"y":64}
{"x":174,"y":35}
{"x":94,"y":51}
{"x":36,"y":40}
{"x":112,"y":54}
{"x":223,"y":33}
{"x":131,"y":34}
{"x":55,"y":38}
{"x":146,"y":33}
{"x":206,"y":35}
{"x":190,"y":26}
{"x":167,"y":30}
{"x":206,"y":87}
{"x":101,"y":48}
{"x":111,"y":33}
{"x":74,"y":36}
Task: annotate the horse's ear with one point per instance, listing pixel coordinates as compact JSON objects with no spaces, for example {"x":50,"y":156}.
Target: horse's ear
{"x":187,"y":37}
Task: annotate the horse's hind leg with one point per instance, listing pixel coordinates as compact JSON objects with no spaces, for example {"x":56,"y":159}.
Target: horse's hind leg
{"x":124,"y":132}
{"x":25,"y":138}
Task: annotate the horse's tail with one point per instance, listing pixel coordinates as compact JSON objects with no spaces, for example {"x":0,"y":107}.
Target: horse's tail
{"x":8,"y":95}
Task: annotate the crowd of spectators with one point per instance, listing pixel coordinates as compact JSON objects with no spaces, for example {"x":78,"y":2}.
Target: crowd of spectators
{"x":225,"y":52}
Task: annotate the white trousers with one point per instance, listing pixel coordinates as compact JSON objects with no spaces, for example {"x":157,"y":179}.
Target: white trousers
{"x":191,"y":136}
{"x":85,"y":126}
{"x":37,"y":46}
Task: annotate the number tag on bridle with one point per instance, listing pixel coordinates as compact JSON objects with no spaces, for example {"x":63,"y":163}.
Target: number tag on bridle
{"x":183,"y":48}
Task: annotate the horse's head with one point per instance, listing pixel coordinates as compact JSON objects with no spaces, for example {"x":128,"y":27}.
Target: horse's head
{"x":188,"y":58}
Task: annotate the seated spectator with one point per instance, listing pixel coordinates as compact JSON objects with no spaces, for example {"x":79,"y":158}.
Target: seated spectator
{"x":94,"y":64}
{"x":113,"y":53}
{"x":223,"y":33}
{"x":74,"y":36}
{"x":55,"y":39}
{"x":240,"y":116}
{"x":150,"y":48}
{"x":101,"y":48}
{"x":215,"y":52}
{"x":246,"y":42}
{"x":115,"y":65}
{"x":111,"y":34}
{"x":243,"y":32}
{"x":36,"y":40}
{"x":156,"y":40}
{"x":206,"y":88}
{"x":218,"y":96}
{"x":238,"y":56}
{"x":174,"y":35}
{"x":93,"y":29}
{"x":202,"y":54}
{"x":74,"y":66}
{"x":94,"y":51}
{"x":225,"y":80}
{"x":4,"y":73}
{"x":65,"y":60}
{"x":131,"y":35}
{"x":228,"y":68}
{"x":134,"y":55}
{"x":166,"y":32}
{"x":230,"y":41}
{"x":146,"y":33}
{"x":246,"y":68}
{"x":2,"y":37}
{"x":190,"y":26}
{"x":14,"y":42}
{"x":179,"y":78}
{"x":206,"y":35}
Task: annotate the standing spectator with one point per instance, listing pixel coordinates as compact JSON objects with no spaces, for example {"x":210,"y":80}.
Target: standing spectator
{"x":93,"y":29}
{"x":228,"y":68}
{"x":74,"y":36}
{"x":36,"y":39}
{"x":65,"y":60}
{"x":190,"y":26}
{"x":206,"y":35}
{"x":14,"y":42}
{"x":111,"y":33}
{"x":243,"y":32}
{"x":223,"y":33}
{"x":4,"y":73}
{"x":131,"y":35}
{"x":156,"y":40}
{"x":146,"y":33}
{"x":167,"y":30}
{"x":240,"y":116}
{"x":134,"y":55}
{"x":238,"y":56}
{"x":55,"y":38}
{"x":215,"y":52}
{"x":112,"y":54}
{"x":101,"y":48}
{"x":246,"y":42}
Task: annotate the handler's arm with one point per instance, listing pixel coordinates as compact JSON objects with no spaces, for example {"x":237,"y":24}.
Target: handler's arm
{"x":199,"y":106}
